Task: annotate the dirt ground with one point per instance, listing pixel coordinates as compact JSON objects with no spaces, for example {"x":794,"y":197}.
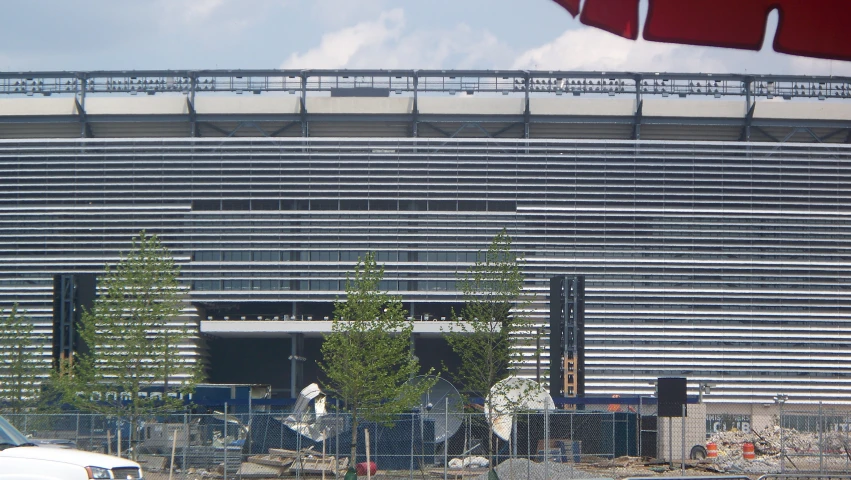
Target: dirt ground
{"x":513,"y":469}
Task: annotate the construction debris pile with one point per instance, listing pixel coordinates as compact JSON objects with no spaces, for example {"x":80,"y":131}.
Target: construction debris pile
{"x":801,"y":448}
{"x":280,"y":462}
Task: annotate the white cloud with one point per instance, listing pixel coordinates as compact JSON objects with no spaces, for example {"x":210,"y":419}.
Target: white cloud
{"x":386,"y":43}
{"x":335,"y":14}
{"x":189,"y":11}
{"x":337,"y":49}
{"x":819,"y":66}
{"x":200,"y":9}
{"x":457,"y":47}
{"x":593,"y":49}
{"x":209,"y":19}
{"x":589,"y":48}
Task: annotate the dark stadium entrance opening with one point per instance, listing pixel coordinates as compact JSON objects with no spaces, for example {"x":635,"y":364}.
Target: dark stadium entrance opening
{"x":265,"y":361}
{"x":251,"y":358}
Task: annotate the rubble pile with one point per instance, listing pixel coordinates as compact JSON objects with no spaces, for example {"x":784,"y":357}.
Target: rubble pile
{"x":730,"y":443}
{"x":766,"y":446}
{"x":281,"y":462}
{"x":767,"y":442}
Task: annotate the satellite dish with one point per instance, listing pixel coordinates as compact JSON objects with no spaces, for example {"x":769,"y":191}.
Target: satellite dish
{"x":316,"y":425}
{"x":513,"y":394}
{"x":442,"y":404}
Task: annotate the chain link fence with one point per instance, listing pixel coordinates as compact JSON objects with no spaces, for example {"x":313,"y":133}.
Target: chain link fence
{"x":614,"y":440}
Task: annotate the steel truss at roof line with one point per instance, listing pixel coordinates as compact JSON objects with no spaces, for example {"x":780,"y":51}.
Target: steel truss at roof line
{"x":413,"y":82}
{"x":420,"y":83}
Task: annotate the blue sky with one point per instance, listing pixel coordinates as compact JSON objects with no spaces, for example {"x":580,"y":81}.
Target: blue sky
{"x":426,"y":34}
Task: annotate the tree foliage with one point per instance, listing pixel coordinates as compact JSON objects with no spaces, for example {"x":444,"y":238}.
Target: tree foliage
{"x":482,"y":333}
{"x":21,"y":364}
{"x":130,"y":339}
{"x":366,"y":357}
{"x":494,"y":302}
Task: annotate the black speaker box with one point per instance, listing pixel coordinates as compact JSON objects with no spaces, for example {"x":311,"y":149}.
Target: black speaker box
{"x":672,"y":396}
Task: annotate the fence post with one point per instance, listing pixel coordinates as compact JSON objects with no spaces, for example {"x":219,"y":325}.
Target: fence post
{"x":820,"y":439}
{"x":298,"y":451}
{"x":512,"y":453}
{"x":375,"y":453}
{"x":337,"y":441}
{"x":528,"y":445}
{"x":614,"y":439}
{"x":77,"y":430}
{"x":683,"y":442}
{"x":411,"y":462}
{"x":225,"y":442}
{"x":670,"y":444}
{"x":572,"y":436}
{"x":638,"y":420}
{"x":445,"y":436}
{"x":186,"y":439}
{"x":173,"y":448}
{"x":847,"y":440}
{"x":782,"y":444}
{"x":368,"y":461}
{"x":547,"y":441}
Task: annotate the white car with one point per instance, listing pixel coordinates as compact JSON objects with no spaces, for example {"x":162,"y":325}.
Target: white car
{"x":22,"y":460}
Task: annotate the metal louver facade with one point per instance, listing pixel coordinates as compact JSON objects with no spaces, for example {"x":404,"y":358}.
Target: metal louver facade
{"x":723,"y":262}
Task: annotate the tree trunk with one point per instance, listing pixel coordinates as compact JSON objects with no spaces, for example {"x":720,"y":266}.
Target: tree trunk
{"x":166,"y":360}
{"x":489,"y":402}
{"x":134,"y":419}
{"x":490,"y":445}
{"x":354,"y":449}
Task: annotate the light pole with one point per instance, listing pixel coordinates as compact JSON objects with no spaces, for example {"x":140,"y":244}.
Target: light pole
{"x":780,"y":399}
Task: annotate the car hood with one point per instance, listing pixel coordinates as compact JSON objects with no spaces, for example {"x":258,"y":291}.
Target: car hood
{"x":71,"y":456}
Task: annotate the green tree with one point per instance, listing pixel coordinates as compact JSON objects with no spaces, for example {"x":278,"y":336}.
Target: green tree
{"x":366,"y":357}
{"x":486,"y":330}
{"x":21,"y":365}
{"x":132,"y":337}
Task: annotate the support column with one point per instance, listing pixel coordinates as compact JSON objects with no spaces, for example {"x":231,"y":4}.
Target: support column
{"x":85,"y":131}
{"x":296,"y":363}
{"x":193,"y":127}
{"x":305,"y":128}
{"x":636,"y":126}
{"x":72,"y":293}
{"x":415,"y":112}
{"x":527,"y":114}
{"x":639,"y":105}
{"x":749,"y":108}
{"x":66,"y":299}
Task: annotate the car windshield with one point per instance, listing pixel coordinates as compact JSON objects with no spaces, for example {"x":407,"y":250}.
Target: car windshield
{"x":11,"y":435}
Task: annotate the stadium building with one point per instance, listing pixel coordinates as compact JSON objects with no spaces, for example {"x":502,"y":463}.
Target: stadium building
{"x":709,"y":214}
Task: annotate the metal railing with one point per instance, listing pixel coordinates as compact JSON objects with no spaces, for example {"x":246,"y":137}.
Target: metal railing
{"x":411,"y":82}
